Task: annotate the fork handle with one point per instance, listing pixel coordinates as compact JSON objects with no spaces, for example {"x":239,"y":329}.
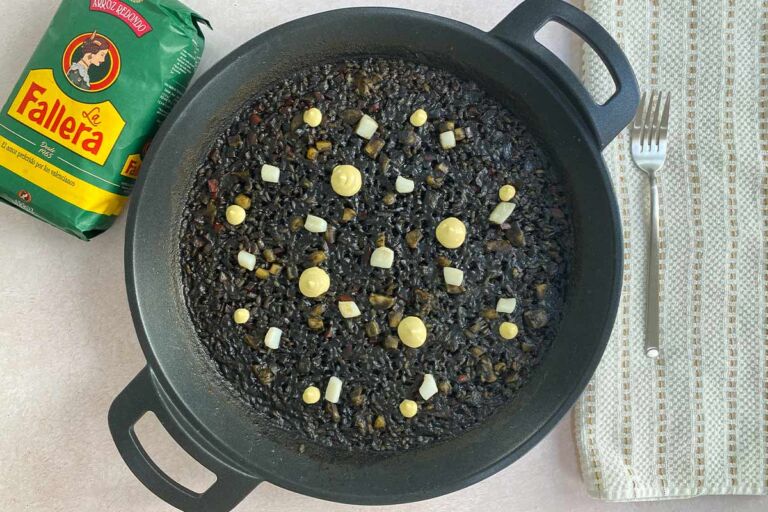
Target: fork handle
{"x":652,"y":303}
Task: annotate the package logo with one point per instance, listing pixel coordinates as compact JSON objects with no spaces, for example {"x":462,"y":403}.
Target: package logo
{"x":25,"y":196}
{"x":91,"y":62}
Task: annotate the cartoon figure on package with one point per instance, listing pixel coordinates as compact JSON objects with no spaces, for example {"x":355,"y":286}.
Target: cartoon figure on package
{"x":91,"y":62}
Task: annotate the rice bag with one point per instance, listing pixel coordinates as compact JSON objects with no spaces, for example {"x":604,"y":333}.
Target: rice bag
{"x":78,"y":123}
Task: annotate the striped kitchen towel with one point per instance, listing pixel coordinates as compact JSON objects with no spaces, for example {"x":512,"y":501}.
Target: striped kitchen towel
{"x":694,"y":421}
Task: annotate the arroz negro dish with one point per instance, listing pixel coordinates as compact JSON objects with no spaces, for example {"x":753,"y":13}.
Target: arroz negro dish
{"x":375,"y":254}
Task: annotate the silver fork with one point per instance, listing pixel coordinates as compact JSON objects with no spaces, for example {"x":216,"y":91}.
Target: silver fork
{"x":648,"y":136}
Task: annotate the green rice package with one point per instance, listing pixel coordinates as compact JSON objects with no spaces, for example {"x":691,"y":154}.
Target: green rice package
{"x":77,"y":125}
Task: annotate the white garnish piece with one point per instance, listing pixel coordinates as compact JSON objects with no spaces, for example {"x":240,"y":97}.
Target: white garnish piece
{"x":383,"y":257}
{"x":349,"y":309}
{"x":333,"y":390}
{"x":272,"y":338}
{"x":246,"y":260}
{"x":506,"y":305}
{"x":404,"y":185}
{"x":270,"y":173}
{"x":501,"y":213}
{"x":453,"y":276}
{"x":448,"y":140}
{"x":428,"y":388}
{"x":367,"y":127}
{"x":315,"y":224}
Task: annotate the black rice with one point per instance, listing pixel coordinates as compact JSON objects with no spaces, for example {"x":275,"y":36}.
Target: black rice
{"x":475,"y":368}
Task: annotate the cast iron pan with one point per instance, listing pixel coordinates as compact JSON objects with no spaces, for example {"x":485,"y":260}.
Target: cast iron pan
{"x":181,"y":385}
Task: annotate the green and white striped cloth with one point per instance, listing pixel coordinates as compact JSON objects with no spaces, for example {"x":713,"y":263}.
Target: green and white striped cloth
{"x":695,"y":421}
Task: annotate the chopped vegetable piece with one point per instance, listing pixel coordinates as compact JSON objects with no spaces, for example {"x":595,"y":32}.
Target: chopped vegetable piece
{"x":451,"y":233}
{"x":448,"y":140}
{"x":366,"y":127}
{"x":262,"y":273}
{"x":404,"y":185}
{"x":312,"y":153}
{"x":506,"y":305}
{"x":391,"y":342}
{"x":323,"y":145}
{"x":453,"y":276}
{"x":270,"y":173}
{"x":409,"y":408}
{"x":428,"y":387}
{"x":412,"y":238}
{"x":314,"y":282}
{"x":351,"y":116}
{"x":455,"y":290}
{"x":383,"y":257}
{"x":379,"y":423}
{"x":313,"y":117}
{"x":317,"y":258}
{"x":275,"y":269}
{"x":419,"y":118}
{"x":246,"y":260}
{"x":241,"y":316}
{"x":272,"y":338}
{"x":412,"y":331}
{"x":507,"y":193}
{"x":243,"y":201}
{"x":296,"y":224}
{"x":372,"y":329}
{"x":235,"y":215}
{"x":501,"y":213}
{"x":311,"y":395}
{"x":381,"y":301}
{"x":269,"y":255}
{"x":508,"y":330}
{"x":333,"y":390}
{"x":348,"y":215}
{"x":315,"y":224}
{"x":435,"y":183}
{"x":374,"y":147}
{"x":346,"y":180}
{"x":315,"y":323}
{"x":349,"y":309}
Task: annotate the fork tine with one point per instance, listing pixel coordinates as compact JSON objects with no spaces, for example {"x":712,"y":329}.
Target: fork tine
{"x":646,"y":133}
{"x":664,"y":126}
{"x":637,"y":122}
{"x":655,"y":127}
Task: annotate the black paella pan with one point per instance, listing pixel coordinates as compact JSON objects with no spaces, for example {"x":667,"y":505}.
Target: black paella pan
{"x":182,"y":386}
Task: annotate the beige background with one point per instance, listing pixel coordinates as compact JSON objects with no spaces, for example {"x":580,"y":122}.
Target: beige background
{"x":67,"y":346}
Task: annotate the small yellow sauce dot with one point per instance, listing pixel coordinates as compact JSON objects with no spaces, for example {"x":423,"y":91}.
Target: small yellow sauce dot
{"x":507,"y":193}
{"x":235,"y":215}
{"x":451,"y":233}
{"x":409,"y":408}
{"x":412,"y":331}
{"x":419,"y":118}
{"x":313,"y":117}
{"x":346,"y":180}
{"x":314,"y":282}
{"x":241,"y":316}
{"x":508,"y":330}
{"x":311,"y":395}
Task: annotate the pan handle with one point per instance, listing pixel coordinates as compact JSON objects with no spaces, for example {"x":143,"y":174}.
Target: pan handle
{"x":141,"y":396}
{"x":519,"y":29}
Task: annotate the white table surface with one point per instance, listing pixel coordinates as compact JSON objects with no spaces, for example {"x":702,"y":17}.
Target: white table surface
{"x":67,"y":345}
